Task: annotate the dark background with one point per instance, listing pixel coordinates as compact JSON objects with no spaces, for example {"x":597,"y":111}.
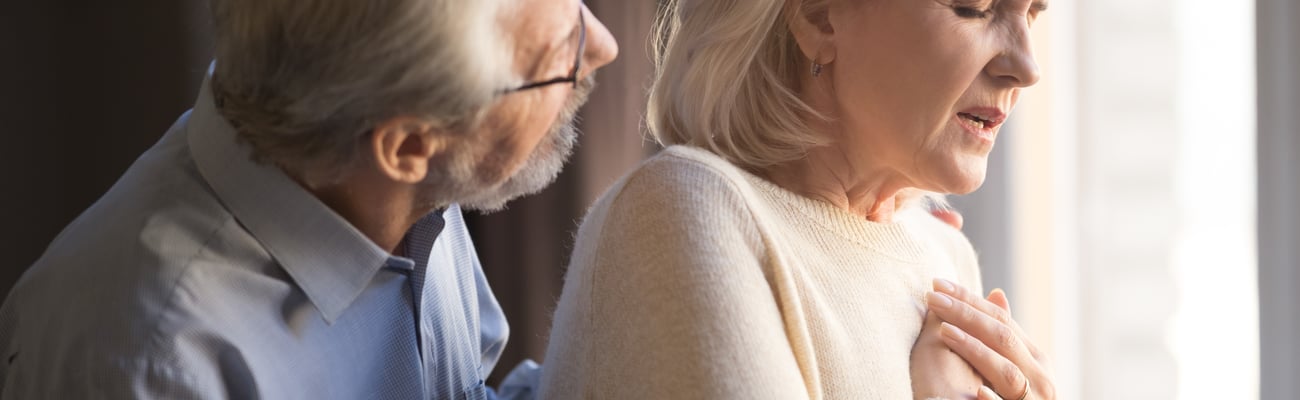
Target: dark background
{"x":87,"y":86}
{"x":84,"y":89}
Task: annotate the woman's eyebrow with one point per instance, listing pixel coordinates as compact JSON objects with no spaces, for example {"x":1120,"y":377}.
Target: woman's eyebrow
{"x":1038,"y":6}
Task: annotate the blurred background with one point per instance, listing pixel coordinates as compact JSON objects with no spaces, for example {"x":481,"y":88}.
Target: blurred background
{"x":1140,"y":208}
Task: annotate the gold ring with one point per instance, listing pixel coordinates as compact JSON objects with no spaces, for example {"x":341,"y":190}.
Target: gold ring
{"x":1026,"y":394}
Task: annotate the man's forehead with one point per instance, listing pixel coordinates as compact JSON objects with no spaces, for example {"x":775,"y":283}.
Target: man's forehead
{"x":539,"y":27}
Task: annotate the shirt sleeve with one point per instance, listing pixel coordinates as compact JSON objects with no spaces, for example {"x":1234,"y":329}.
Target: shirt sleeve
{"x":521,"y":384}
{"x":135,"y":378}
{"x":147,"y":379}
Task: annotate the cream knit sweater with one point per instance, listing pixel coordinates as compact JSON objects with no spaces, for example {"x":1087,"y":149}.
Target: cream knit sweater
{"x":693,"y":279}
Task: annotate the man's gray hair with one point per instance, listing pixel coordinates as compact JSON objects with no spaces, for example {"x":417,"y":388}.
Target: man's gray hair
{"x":303,"y":81}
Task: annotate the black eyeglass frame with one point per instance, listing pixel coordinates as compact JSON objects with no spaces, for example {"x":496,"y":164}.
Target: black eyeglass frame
{"x":577,"y":62}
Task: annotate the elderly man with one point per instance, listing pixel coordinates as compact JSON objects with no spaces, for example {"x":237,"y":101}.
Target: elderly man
{"x":297,"y":234}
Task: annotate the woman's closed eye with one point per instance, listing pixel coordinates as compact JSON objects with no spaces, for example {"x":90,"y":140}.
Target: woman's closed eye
{"x":972,"y":9}
{"x":972,"y":13}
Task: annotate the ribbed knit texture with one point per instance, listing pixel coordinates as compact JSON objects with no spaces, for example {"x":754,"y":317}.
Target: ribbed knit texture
{"x":693,"y":279}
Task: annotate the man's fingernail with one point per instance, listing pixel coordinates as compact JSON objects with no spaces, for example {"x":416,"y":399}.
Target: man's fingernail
{"x":938,"y":300}
{"x":944,"y":285}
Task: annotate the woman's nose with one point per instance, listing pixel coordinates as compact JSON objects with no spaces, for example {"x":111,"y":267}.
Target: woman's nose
{"x":1016,"y":65}
{"x":601,"y":46}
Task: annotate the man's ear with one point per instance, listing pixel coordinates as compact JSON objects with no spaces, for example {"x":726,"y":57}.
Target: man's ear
{"x":402,"y":146}
{"x":812,"y":30}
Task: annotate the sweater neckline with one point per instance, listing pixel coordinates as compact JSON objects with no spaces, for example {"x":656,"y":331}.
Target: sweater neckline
{"x":897,"y":239}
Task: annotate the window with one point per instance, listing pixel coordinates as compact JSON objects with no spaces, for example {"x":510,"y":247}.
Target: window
{"x":1131,"y":200}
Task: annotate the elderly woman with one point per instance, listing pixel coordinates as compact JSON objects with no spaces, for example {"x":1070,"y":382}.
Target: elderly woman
{"x":780,"y":247}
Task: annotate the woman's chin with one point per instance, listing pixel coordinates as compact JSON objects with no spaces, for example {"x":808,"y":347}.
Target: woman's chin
{"x":968,"y":186}
{"x":960,"y":179}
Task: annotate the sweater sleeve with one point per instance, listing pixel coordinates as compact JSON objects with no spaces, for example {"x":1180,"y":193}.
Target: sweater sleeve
{"x":680,"y":302}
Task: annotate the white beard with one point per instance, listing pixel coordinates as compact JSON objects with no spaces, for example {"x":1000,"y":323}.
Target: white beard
{"x":456,"y":182}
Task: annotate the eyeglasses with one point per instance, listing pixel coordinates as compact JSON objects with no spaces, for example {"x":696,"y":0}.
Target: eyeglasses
{"x":577,"y":62}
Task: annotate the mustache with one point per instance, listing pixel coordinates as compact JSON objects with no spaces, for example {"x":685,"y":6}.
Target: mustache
{"x":569,"y":111}
{"x":581,"y":94}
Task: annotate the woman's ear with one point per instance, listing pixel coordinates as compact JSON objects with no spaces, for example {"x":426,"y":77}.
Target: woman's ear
{"x":810,"y":24}
{"x":401,"y":148}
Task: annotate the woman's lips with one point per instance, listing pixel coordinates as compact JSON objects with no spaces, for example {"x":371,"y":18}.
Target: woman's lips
{"x":983,"y":122}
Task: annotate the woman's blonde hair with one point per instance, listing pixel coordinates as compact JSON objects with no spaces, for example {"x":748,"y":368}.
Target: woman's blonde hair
{"x":727,"y":80}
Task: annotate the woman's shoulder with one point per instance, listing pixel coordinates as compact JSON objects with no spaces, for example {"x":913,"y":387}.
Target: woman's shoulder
{"x":682,"y":192}
{"x":683,"y":177}
{"x":689,"y":163}
{"x":678,"y":214}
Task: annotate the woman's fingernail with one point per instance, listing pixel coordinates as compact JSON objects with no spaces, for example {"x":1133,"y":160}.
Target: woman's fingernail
{"x":938,"y":299}
{"x":951,"y":332}
{"x":944,"y":285}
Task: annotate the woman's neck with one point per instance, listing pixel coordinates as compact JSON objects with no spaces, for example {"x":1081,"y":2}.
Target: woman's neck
{"x":829,"y":175}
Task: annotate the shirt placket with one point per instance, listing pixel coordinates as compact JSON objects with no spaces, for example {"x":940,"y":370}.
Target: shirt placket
{"x":419,"y":243}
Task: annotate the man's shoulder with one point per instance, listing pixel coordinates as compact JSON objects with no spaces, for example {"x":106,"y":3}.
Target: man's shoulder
{"x":129,"y":312}
{"x":110,"y":285}
{"x":156,"y":220}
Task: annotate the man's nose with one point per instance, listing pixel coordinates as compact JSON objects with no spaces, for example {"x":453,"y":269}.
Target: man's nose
{"x":601,"y":46}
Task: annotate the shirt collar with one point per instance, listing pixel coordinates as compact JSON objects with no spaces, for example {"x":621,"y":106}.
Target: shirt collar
{"x":324,"y":254}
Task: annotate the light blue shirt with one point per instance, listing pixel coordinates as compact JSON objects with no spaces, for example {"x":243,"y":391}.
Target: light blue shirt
{"x":201,"y":274}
